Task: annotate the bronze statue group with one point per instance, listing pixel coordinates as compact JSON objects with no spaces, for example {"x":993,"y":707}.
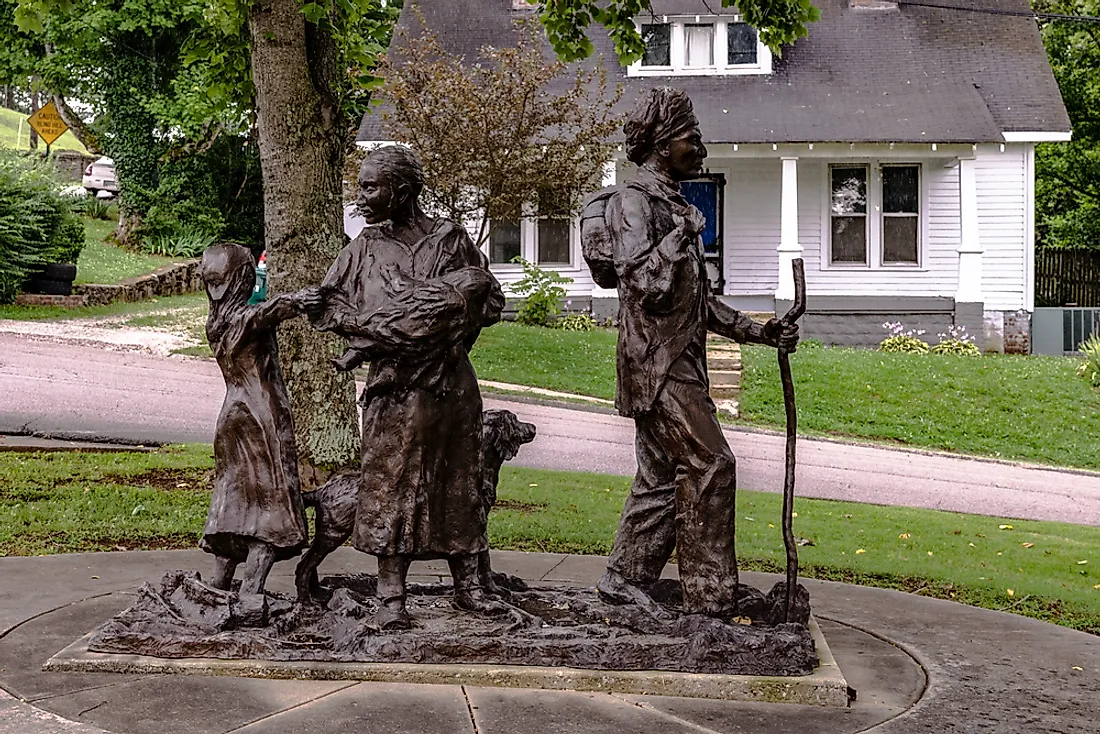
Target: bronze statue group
{"x":410,"y":295}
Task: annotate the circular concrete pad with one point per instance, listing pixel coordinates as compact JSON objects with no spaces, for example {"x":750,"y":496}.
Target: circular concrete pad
{"x":888,"y":681}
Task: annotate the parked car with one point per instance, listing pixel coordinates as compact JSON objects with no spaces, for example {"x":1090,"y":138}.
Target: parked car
{"x":100,"y":177}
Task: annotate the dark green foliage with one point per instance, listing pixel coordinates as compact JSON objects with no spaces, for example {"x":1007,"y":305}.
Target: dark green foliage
{"x":96,"y":208}
{"x":780,"y":22}
{"x":1067,"y":175}
{"x":542,"y":294}
{"x":187,"y":241}
{"x":218,"y":192}
{"x":37,"y":226}
{"x":68,"y":239}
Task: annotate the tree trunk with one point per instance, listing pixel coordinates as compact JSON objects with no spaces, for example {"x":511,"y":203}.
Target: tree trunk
{"x":301,"y":155}
{"x":133,"y":144}
{"x":34,"y":108}
{"x":9,"y":97}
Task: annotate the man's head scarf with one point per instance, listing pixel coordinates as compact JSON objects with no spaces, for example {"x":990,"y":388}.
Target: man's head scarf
{"x":660,"y":115}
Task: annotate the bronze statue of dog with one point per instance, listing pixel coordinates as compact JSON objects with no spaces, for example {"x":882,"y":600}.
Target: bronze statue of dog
{"x":334,"y":502}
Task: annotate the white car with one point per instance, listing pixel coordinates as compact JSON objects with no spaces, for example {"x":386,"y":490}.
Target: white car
{"x":100,"y":177}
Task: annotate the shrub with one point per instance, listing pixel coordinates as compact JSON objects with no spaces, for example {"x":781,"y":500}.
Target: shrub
{"x":37,"y":226}
{"x":187,"y":241}
{"x":542,"y":294}
{"x":576,"y":321}
{"x":956,"y":341}
{"x":902,"y":340}
{"x":97,"y":208}
{"x":1090,"y":368}
{"x":68,"y":240}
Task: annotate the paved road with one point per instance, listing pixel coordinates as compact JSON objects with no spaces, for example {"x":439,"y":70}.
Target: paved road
{"x":66,"y":386}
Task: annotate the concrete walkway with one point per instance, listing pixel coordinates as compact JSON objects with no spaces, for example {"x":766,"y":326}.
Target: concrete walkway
{"x":919,"y":666}
{"x":82,"y":390}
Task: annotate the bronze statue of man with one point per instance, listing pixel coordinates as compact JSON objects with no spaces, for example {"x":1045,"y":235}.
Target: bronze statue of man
{"x":411,"y":294}
{"x":683,"y":493}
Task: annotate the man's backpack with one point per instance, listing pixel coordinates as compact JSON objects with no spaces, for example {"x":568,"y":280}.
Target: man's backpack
{"x":596,"y":243}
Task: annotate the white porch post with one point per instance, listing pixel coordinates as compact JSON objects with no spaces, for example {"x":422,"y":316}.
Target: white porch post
{"x":789,"y":249}
{"x":969,"y":299}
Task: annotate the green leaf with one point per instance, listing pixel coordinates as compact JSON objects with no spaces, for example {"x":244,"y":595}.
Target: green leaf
{"x":313,"y":12}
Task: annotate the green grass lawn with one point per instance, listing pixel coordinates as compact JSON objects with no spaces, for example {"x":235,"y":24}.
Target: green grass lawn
{"x":580,"y":362}
{"x":1013,"y":407}
{"x":104,"y":263}
{"x":12,"y":136}
{"x":56,"y":503}
{"x":1027,"y":408}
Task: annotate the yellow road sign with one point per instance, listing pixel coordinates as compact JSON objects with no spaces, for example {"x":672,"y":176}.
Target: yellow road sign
{"x":47,"y":123}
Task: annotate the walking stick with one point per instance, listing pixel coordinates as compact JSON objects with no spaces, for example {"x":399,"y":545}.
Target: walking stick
{"x":792,"y":316}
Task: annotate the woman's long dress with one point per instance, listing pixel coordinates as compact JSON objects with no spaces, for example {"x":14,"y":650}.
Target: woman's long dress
{"x":256,"y":489}
{"x":416,"y":311}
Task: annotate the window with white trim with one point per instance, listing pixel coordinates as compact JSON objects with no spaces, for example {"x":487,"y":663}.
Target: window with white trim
{"x":701,"y":45}
{"x":848,"y":212}
{"x":546,"y":238}
{"x":878,"y":205}
{"x":900,"y":214}
{"x":505,"y":241}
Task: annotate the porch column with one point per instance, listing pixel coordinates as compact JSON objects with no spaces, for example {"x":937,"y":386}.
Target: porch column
{"x":605,"y":301}
{"x":789,"y":249}
{"x":969,"y":299}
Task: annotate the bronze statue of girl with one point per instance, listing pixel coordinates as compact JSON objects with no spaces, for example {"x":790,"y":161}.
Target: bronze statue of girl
{"x":256,"y":514}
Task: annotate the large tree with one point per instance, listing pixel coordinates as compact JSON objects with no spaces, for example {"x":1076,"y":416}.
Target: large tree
{"x":500,"y":132}
{"x":302,"y":71}
{"x":144,"y":104}
{"x":311,"y":66}
{"x":1067,"y":175}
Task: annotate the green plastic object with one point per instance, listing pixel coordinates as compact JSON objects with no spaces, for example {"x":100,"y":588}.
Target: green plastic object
{"x":259,"y":291}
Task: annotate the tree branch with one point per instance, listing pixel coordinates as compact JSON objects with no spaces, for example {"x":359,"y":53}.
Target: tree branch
{"x":80,"y":129}
{"x":195,"y":147}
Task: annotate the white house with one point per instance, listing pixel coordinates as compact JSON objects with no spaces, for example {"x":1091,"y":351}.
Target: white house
{"x":892,"y":149}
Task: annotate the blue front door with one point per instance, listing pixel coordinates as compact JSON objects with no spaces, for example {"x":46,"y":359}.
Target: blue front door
{"x":706,"y":196}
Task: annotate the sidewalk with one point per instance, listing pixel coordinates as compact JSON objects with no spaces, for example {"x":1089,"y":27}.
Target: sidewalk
{"x":919,"y":665}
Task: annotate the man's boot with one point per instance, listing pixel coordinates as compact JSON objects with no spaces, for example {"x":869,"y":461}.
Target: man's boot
{"x":391,"y":614}
{"x":614,"y":588}
{"x":470,"y":595}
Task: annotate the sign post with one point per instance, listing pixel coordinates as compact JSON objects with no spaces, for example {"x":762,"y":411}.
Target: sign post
{"x":47,"y":122}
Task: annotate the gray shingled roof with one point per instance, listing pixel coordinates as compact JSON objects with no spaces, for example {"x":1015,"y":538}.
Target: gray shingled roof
{"x":909,"y":74}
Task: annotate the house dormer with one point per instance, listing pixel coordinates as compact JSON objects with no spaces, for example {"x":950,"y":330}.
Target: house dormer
{"x":700,"y":45}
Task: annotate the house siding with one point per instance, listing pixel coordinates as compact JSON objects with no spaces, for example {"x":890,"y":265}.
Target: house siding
{"x":751,"y":224}
{"x":752,"y":234}
{"x":1003,"y":221}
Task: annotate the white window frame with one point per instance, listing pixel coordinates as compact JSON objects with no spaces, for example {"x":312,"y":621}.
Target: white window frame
{"x":718,"y":67}
{"x":534,"y":238}
{"x":919,"y":216}
{"x":875,"y":215}
{"x":487,"y":248}
{"x":529,"y":243}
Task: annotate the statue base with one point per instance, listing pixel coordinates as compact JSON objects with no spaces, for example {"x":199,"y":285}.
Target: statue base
{"x":554,"y":637}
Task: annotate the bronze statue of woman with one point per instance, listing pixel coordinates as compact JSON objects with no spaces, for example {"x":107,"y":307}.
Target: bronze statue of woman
{"x":411,"y":294}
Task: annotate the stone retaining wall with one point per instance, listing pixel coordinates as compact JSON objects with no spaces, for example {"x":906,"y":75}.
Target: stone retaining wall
{"x":171,"y":280}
